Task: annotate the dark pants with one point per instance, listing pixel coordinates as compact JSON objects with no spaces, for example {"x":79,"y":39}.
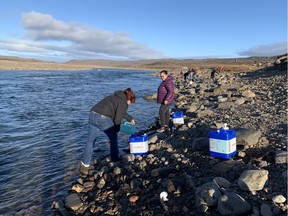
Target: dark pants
{"x":164,"y":114}
{"x":112,"y":135}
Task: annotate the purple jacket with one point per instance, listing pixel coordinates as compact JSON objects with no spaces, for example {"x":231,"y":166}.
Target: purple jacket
{"x":166,"y":91}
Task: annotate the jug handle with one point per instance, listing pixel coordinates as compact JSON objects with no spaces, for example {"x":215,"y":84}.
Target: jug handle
{"x":125,"y":123}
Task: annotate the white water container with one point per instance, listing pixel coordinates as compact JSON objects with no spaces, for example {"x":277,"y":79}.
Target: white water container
{"x":222,"y":143}
{"x":178,"y":117}
{"x":139,"y":144}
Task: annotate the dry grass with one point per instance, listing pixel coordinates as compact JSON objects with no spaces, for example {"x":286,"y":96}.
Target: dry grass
{"x":173,"y":65}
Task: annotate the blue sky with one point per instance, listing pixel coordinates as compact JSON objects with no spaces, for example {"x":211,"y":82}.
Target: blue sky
{"x":61,"y":30}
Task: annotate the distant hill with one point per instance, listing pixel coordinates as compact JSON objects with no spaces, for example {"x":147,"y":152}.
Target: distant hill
{"x":230,"y":64}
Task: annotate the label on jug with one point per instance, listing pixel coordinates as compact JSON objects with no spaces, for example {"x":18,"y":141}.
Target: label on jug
{"x":223,"y":146}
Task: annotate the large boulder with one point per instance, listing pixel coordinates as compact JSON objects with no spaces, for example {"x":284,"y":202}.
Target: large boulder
{"x":247,"y":137}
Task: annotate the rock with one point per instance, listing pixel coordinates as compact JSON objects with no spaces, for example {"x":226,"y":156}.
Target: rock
{"x":200,"y":144}
{"x":226,"y":105}
{"x":240,"y":101}
{"x":245,"y":136}
{"x":281,"y":157}
{"x":253,"y":180}
{"x":163,"y":172}
{"x":278,"y":199}
{"x":153,"y":138}
{"x":151,"y":97}
{"x":78,"y":188}
{"x":206,"y":195}
{"x":133,"y":199}
{"x":232,"y":204}
{"x":221,"y":182}
{"x":266,"y":210}
{"x":193,"y":107}
{"x":225,"y":166}
{"x":73,"y":202}
{"x":206,"y":112}
{"x":248,"y":94}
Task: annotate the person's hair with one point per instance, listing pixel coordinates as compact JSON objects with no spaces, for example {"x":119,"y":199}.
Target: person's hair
{"x":130,"y":95}
{"x":164,"y":71}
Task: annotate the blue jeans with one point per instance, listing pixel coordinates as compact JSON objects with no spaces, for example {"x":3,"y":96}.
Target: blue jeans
{"x":99,"y":123}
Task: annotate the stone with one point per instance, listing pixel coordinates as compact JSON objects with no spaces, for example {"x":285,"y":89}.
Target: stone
{"x":279,"y":199}
{"x":206,"y":112}
{"x":221,"y":182}
{"x":206,"y":195}
{"x":133,"y":199}
{"x":266,"y":210}
{"x":281,"y":157}
{"x":200,"y":144}
{"x":248,"y":94}
{"x":226,"y":105}
{"x":240,"y":101}
{"x":73,"y":202}
{"x":253,"y":180}
{"x":163,"y":172}
{"x":245,"y":136}
{"x":233,"y":204}
{"x":78,"y":188}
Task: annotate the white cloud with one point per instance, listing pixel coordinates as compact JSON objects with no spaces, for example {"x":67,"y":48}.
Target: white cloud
{"x":47,"y":34}
{"x":266,"y":50}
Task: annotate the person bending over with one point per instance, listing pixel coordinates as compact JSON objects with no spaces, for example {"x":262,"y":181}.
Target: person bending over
{"x":106,"y":116}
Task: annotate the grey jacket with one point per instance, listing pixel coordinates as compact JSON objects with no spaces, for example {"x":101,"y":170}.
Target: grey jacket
{"x":114,"y":106}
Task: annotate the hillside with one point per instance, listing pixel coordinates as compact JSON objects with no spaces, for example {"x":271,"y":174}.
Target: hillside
{"x":232,"y":64}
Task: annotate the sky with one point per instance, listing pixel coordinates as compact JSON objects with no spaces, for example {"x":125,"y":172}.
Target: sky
{"x":62,"y":30}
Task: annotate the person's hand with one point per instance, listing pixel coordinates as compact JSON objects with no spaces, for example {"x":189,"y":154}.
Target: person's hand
{"x":132,"y":122}
{"x":165,"y":102}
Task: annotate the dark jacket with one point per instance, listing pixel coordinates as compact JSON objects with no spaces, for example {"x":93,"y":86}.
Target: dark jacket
{"x":166,"y":91}
{"x":114,"y":106}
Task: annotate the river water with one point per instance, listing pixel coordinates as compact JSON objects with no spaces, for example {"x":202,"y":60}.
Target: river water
{"x":44,"y":128}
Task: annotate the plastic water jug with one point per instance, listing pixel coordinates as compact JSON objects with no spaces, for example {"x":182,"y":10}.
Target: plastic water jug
{"x":177,"y":117}
{"x":127,"y":128}
{"x":222,"y":143}
{"x":139,"y":144}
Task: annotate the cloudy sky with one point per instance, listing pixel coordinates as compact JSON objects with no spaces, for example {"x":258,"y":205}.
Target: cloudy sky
{"x":112,"y":29}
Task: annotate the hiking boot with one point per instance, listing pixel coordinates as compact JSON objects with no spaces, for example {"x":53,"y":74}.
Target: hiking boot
{"x":161,"y":130}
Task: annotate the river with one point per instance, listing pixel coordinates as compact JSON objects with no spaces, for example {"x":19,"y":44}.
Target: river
{"x":44,"y":128}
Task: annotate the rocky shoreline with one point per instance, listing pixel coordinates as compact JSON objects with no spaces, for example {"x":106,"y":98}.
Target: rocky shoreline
{"x":253,"y":182}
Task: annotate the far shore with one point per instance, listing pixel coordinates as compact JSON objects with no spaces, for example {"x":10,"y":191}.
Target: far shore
{"x":172,"y":65}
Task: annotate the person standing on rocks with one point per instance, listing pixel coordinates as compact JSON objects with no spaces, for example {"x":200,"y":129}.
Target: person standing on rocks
{"x":165,"y":96}
{"x":106,"y":116}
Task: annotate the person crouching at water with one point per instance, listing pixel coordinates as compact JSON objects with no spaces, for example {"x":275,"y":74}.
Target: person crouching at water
{"x":165,"y":96}
{"x":106,"y":116}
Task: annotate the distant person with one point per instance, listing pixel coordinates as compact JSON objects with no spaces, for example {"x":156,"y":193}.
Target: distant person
{"x":213,"y":74}
{"x":165,"y":96}
{"x":185,"y":75}
{"x":106,"y":116}
{"x":220,"y":70}
{"x":192,"y":76}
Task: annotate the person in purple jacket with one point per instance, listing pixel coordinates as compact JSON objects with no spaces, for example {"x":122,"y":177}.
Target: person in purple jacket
{"x":165,"y":96}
